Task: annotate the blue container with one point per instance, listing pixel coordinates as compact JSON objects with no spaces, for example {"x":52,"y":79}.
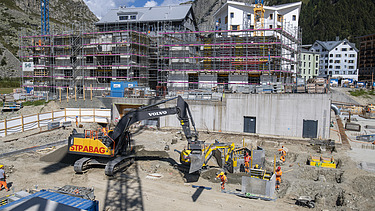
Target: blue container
{"x":65,"y":202}
{"x":29,"y":89}
{"x":117,"y":87}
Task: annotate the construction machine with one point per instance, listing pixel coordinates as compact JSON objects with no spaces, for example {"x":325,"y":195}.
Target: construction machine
{"x":114,"y":149}
{"x":221,"y":151}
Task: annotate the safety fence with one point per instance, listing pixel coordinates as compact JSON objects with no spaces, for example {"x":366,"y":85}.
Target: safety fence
{"x":29,"y":122}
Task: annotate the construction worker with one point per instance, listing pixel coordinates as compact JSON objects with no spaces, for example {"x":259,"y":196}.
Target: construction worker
{"x":223,"y":179}
{"x":247,"y":162}
{"x":3,"y":178}
{"x":283,"y":154}
{"x":278,"y":177}
{"x":104,"y":131}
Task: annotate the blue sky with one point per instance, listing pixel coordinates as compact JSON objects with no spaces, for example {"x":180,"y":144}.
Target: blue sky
{"x":101,"y":7}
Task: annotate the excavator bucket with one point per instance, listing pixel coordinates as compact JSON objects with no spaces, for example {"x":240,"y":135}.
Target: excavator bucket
{"x":196,"y":162}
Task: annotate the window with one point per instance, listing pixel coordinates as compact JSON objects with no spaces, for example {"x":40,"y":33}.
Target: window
{"x":309,"y":64}
{"x":351,"y":49}
{"x":316,"y":65}
{"x":330,"y":66}
{"x":331,"y":55}
{"x":279,"y":18}
{"x":133,"y":17}
{"x":235,"y":27}
{"x":123,"y":17}
{"x":219,"y":20}
{"x":337,"y":61}
{"x":337,"y":72}
{"x":304,"y":57}
{"x":346,"y":55}
{"x":316,"y":72}
{"x":90,"y":59}
{"x":270,"y":26}
{"x":271,"y":16}
{"x":351,"y":55}
{"x":231,"y":15}
{"x":294,"y":17}
{"x":248,"y":16}
{"x":309,"y":71}
{"x":304,"y":71}
{"x":330,"y":61}
{"x":317,"y":58}
{"x":338,"y":55}
{"x":337,"y":67}
{"x":309,"y":57}
{"x":304,"y":64}
{"x":344,"y":49}
{"x":351,"y":67}
{"x":226,"y":19}
{"x":351,"y":61}
{"x":350,"y":72}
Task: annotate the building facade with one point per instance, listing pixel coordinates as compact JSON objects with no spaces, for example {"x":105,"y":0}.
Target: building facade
{"x":123,"y":47}
{"x":309,"y":67}
{"x":338,"y":59}
{"x":366,"y":57}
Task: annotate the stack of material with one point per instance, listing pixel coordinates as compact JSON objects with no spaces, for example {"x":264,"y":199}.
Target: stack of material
{"x":320,"y":85}
{"x":311,"y":88}
{"x":301,"y":89}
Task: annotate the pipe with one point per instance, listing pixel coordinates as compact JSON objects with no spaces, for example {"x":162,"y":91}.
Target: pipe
{"x":335,"y":109}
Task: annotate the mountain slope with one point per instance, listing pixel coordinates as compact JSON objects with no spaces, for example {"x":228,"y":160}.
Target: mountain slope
{"x":24,"y":15}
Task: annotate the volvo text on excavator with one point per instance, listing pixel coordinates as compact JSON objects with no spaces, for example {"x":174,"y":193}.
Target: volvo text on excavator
{"x":114,"y":150}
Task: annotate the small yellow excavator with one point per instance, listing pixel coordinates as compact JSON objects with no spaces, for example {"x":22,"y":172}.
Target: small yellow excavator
{"x":113,"y":148}
{"x":225,"y":158}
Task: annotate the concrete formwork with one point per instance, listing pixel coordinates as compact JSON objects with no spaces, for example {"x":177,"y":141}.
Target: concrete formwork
{"x":258,"y":186}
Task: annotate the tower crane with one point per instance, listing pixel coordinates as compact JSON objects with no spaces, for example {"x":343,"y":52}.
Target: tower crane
{"x":44,"y":16}
{"x":259,"y":17}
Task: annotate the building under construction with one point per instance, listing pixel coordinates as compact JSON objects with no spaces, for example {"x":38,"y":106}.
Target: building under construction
{"x":164,"y":55}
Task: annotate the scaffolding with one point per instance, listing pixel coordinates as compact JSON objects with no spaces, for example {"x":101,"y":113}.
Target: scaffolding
{"x":82,"y":60}
{"x":229,"y":60}
{"x":162,"y":56}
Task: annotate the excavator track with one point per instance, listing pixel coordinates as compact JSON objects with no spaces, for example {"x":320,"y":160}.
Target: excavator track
{"x":117,"y":164}
{"x":81,"y":165}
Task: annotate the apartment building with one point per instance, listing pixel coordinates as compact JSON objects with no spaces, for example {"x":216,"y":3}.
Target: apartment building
{"x":366,"y":57}
{"x":309,"y":67}
{"x":338,"y":59}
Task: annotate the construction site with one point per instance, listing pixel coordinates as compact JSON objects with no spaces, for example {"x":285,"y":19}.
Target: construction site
{"x":331,"y":174}
{"x":146,"y":111}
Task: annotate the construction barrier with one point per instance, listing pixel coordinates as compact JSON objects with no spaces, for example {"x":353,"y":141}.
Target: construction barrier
{"x":33,"y":121}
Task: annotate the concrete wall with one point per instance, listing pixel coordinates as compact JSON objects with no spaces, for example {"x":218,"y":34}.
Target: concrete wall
{"x":275,"y":114}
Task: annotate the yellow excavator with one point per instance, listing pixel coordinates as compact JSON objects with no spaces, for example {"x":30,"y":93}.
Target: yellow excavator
{"x":113,"y":148}
{"x":224,"y":158}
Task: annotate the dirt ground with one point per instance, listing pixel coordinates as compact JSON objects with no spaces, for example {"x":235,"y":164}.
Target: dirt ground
{"x":153,"y":182}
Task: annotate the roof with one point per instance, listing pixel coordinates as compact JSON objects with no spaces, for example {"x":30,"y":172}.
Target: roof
{"x":51,"y":201}
{"x":329,"y":45}
{"x":147,"y":14}
{"x":274,"y":7}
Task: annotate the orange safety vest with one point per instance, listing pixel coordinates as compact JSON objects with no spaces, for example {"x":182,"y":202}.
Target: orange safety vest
{"x":223,"y":178}
{"x":278,"y":175}
{"x":247,"y":158}
{"x":104,"y":130}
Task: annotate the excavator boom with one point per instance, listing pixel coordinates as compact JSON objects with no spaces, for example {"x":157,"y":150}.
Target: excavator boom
{"x":117,"y":142}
